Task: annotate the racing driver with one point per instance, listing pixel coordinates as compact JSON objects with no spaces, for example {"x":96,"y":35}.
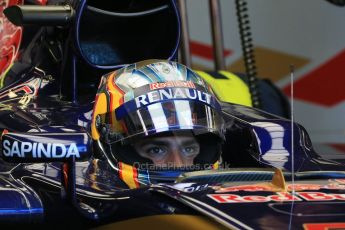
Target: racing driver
{"x":157,"y":118}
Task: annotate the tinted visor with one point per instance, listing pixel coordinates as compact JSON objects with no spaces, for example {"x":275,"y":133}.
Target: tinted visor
{"x":166,"y":116}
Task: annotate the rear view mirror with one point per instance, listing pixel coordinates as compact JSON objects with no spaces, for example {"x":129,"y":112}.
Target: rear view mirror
{"x":39,"y":15}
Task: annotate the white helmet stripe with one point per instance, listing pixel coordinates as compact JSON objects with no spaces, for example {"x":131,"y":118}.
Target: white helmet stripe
{"x":158,"y":117}
{"x":184,"y":114}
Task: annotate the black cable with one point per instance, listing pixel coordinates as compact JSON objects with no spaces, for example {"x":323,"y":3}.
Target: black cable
{"x":248,"y":51}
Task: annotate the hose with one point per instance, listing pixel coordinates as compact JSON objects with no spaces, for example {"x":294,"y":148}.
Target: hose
{"x":248,"y":51}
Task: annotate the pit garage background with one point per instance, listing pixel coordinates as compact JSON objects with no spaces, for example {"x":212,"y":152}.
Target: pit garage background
{"x":308,"y":34}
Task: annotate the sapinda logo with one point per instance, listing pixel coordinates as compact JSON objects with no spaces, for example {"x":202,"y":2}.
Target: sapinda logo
{"x":39,"y":150}
{"x":278,"y":197}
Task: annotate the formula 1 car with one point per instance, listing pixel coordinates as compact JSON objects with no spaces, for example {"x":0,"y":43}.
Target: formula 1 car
{"x":51,"y":175}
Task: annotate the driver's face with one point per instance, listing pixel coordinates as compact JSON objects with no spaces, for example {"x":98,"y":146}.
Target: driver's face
{"x":172,"y":150}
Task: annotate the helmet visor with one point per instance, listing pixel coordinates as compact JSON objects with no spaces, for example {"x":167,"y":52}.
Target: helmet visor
{"x":164,"y":116}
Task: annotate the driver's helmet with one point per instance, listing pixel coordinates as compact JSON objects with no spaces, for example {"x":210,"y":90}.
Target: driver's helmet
{"x":155,"y":119}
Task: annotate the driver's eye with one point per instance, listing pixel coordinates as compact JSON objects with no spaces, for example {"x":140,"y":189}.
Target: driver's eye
{"x":156,"y":152}
{"x":190,"y":151}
